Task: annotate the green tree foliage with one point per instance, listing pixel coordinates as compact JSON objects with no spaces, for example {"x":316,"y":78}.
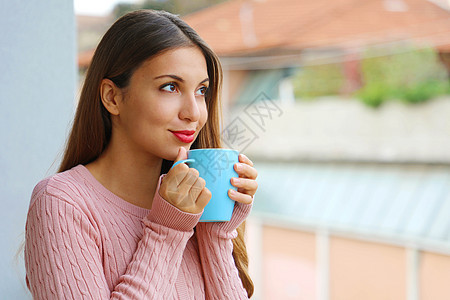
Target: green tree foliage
{"x":412,"y":75}
{"x":318,"y":80}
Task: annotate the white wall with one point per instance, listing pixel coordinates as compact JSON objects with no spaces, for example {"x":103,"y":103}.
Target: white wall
{"x":37,"y":88}
{"x":347,"y":130}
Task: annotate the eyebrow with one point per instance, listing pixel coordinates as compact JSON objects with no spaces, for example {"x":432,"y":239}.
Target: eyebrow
{"x":178,"y":78}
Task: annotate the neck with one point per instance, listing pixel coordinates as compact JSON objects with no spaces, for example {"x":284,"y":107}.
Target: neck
{"x":130,"y":177}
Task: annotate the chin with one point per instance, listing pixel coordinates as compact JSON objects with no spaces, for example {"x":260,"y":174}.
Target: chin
{"x":172,"y":155}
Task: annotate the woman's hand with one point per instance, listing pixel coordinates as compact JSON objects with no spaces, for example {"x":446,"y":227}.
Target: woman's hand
{"x":246,"y":183}
{"x":183,"y":188}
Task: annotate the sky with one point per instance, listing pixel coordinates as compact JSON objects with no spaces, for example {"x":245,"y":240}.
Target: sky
{"x":97,"y":7}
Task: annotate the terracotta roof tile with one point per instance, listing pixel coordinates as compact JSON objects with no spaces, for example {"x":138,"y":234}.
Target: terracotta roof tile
{"x":240,"y":27}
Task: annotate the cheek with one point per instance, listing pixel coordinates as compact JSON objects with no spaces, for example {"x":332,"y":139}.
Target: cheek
{"x":159,"y":113}
{"x":203,"y":114}
{"x":143,"y":118}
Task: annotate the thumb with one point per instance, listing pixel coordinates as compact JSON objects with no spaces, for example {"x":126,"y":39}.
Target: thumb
{"x":182,"y":154}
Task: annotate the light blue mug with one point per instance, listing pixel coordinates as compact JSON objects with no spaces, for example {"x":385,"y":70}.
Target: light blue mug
{"x":216,"y":167}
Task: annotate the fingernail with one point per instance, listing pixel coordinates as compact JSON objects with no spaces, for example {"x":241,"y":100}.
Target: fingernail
{"x":238,"y":167}
{"x":236,"y":180}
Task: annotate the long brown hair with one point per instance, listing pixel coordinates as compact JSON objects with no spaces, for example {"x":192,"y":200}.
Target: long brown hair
{"x":130,"y":41}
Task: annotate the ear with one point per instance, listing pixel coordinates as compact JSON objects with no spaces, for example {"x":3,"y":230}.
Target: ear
{"x":111,"y":96}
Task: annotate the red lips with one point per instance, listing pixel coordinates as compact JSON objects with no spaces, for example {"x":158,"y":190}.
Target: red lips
{"x":185,"y":136}
{"x":187,"y":132}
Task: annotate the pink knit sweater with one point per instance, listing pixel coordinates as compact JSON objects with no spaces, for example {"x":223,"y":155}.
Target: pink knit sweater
{"x":84,"y":242}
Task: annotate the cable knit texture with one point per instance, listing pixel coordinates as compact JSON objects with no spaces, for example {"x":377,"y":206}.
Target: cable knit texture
{"x":84,"y":242}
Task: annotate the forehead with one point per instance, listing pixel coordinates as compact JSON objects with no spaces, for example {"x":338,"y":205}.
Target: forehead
{"x":186,"y":62}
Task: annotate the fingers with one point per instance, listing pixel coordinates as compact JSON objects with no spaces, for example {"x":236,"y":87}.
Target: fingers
{"x":246,"y":183}
{"x":240,"y":197}
{"x":182,"y":154}
{"x":197,"y":189}
{"x":183,"y":188}
{"x":245,"y":170}
{"x":190,"y":177}
{"x":244,"y":159}
{"x":204,"y":197}
{"x":249,"y":186}
{"x":176,"y":176}
{"x":187,"y":191}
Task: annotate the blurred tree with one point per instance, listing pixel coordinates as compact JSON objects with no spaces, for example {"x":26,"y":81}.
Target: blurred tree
{"x":407,"y":74}
{"x":411,"y":75}
{"x":318,"y":80}
{"x":178,"y":7}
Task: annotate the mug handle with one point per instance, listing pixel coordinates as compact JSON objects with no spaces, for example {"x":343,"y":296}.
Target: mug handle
{"x":183,"y":161}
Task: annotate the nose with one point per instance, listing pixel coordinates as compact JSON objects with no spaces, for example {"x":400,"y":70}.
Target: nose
{"x":190,"y":108}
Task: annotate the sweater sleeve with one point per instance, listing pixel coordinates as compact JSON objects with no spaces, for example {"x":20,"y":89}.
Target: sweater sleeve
{"x":63,"y":256}
{"x":222,"y":279}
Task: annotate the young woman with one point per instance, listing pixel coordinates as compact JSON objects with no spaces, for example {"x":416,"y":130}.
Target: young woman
{"x":117,"y":222}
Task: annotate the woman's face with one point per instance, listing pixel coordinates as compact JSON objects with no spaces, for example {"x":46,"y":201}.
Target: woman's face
{"x":165,"y":96}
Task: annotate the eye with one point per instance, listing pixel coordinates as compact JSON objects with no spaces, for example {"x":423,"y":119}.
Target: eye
{"x":202,"y":91}
{"x":169,"y":87}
